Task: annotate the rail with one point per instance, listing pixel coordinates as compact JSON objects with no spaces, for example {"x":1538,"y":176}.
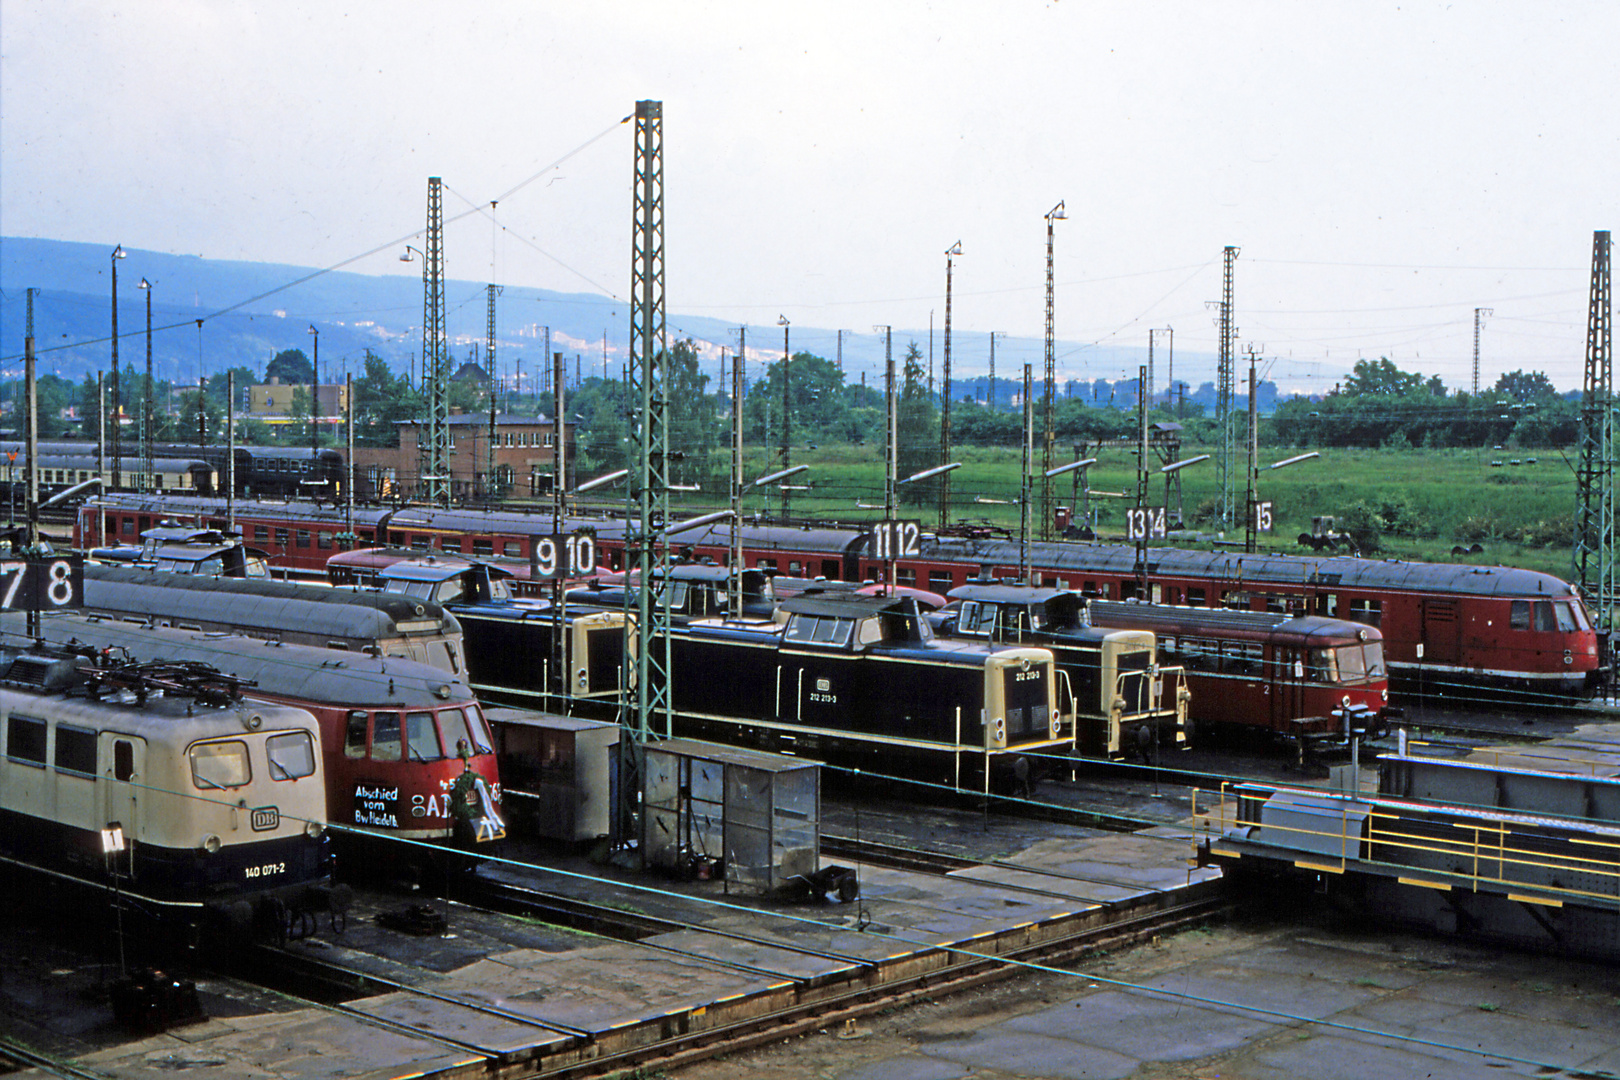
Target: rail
{"x":1534,"y":859}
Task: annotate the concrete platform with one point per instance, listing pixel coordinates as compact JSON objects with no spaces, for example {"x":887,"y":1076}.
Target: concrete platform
{"x":556,"y":996}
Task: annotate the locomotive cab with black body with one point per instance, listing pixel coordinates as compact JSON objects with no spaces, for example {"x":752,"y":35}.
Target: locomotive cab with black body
{"x":864,"y":676}
{"x":524,"y":651}
{"x":691,"y":591}
{"x":1124,"y":698}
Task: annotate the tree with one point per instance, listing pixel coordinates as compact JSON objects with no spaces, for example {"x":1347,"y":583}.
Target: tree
{"x":1380,"y":378}
{"x":218,"y":382}
{"x":692,"y":414}
{"x":1526,"y":387}
{"x":381,"y":399}
{"x":291,"y":367}
{"x":816,"y":394}
{"x":917,"y":424}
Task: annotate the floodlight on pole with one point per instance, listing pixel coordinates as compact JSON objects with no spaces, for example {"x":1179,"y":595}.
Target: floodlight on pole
{"x":697,"y":522}
{"x":602,"y":481}
{"x":782,"y":474}
{"x":928,"y":474}
{"x":1177,"y":466}
{"x":1071,"y":466}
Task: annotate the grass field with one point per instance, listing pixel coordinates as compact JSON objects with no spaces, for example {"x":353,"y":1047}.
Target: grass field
{"x":1418,"y":503}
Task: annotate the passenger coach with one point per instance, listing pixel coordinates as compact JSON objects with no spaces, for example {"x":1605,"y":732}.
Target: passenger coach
{"x":1477,"y":626}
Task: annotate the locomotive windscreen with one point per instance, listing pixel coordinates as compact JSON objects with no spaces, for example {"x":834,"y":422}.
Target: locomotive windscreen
{"x":1026,"y":691}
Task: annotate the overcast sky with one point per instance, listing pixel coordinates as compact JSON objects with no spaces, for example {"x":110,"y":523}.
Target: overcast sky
{"x":1384,"y":168}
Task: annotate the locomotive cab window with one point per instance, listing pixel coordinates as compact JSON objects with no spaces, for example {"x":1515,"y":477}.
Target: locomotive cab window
{"x":482,"y":742}
{"x":975,"y":618}
{"x":292,"y":755}
{"x":25,"y":740}
{"x":75,"y":750}
{"x":354,"y":740}
{"x":421,"y":737}
{"x":1519,"y":615}
{"x":217,"y":766}
{"x":386,"y":743}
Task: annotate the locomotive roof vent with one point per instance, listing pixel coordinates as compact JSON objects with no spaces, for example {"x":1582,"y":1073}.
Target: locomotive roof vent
{"x":42,"y":672}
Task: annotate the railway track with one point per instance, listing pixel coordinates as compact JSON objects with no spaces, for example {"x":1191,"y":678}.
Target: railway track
{"x":855,"y":1004}
{"x":866,"y":986}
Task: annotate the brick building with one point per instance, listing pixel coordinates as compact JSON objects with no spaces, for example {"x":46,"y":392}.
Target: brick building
{"x":524,"y":459}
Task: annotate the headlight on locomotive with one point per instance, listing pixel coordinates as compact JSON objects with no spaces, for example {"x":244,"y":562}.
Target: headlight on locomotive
{"x":314,"y":829}
{"x":211,"y":844}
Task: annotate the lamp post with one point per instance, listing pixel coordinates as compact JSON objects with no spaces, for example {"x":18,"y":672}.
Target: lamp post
{"x":117,"y":399}
{"x":147,"y":471}
{"x":315,"y":398}
{"x":787,"y":425}
{"x":945,"y":395}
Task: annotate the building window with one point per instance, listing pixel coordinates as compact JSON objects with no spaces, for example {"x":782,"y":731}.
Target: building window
{"x":323,"y":540}
{"x":513,"y":548}
{"x":281,"y":537}
{"x":940,"y":580}
{"x":483,"y":545}
{"x":547,"y":438}
{"x":261,"y":534}
{"x":303,"y":538}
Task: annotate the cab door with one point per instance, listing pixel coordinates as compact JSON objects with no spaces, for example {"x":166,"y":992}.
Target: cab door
{"x":123,"y":773}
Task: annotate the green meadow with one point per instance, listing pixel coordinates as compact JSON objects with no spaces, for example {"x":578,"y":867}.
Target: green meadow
{"x":1410,"y":503}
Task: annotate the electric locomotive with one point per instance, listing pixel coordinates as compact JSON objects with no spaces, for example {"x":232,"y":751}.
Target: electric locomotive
{"x":160,"y":787}
{"x":407,"y":751}
{"x":360,"y":622}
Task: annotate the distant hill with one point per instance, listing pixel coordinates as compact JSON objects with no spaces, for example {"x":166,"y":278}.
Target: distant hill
{"x":258,"y":315}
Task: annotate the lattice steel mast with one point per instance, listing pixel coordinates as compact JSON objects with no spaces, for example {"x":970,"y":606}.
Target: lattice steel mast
{"x":1057,"y":213}
{"x":1479,"y":319}
{"x":1594,"y":515}
{"x":1225,"y":394}
{"x":645,"y":371}
{"x":945,"y":396}
{"x":490,"y":484}
{"x":436,"y":478}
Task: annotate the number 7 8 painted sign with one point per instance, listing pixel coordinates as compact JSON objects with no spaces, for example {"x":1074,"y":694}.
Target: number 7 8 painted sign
{"x":42,"y":584}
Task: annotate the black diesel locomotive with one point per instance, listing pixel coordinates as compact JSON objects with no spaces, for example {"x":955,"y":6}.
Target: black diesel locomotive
{"x":1125,"y":700}
{"x":863,"y":678}
{"x":158,"y":786}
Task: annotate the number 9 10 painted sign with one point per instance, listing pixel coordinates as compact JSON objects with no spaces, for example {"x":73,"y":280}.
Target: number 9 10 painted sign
{"x":42,"y":584}
{"x":563,"y":555}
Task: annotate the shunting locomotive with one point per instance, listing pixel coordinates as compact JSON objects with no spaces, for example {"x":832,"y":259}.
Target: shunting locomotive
{"x":1125,"y":699}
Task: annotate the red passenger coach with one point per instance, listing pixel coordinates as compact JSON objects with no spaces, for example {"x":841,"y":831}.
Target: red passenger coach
{"x":1446,"y":627}
{"x":1298,"y":676}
